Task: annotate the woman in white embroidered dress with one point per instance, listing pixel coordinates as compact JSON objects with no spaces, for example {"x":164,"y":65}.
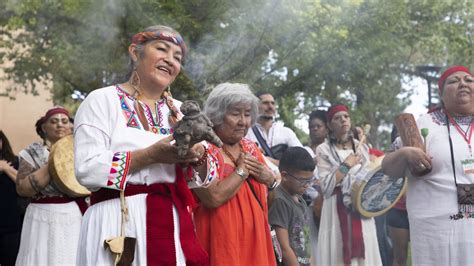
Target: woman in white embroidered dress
{"x":441,"y":224}
{"x":50,"y":232}
{"x":123,"y":140}
{"x":345,"y":238}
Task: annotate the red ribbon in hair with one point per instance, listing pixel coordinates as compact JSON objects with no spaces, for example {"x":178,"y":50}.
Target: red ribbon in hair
{"x":448,"y":72}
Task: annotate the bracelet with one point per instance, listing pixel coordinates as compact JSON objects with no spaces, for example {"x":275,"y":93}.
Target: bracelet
{"x":202,"y":159}
{"x":344,"y":168}
{"x":273,"y":185}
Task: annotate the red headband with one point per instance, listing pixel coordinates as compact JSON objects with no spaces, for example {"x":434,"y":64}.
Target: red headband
{"x":53,"y":111}
{"x":448,"y":72}
{"x":335,"y":109}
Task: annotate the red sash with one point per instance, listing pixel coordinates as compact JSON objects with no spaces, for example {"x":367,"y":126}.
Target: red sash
{"x":161,"y":248}
{"x":354,"y":249}
{"x":81,"y":202}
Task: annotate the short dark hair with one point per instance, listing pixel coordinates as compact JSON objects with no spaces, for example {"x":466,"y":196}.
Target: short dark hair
{"x":260,"y":93}
{"x":296,"y":159}
{"x":318,"y":114}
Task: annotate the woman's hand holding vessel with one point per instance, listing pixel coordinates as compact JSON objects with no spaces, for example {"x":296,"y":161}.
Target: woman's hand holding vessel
{"x":165,"y":152}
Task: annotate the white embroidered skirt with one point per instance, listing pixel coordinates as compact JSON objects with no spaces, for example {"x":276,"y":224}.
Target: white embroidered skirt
{"x":50,"y":234}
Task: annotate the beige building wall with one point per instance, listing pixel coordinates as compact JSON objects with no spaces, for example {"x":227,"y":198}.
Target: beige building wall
{"x":18,"y":117}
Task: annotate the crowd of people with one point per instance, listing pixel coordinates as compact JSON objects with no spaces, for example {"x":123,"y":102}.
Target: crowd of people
{"x":260,"y":198}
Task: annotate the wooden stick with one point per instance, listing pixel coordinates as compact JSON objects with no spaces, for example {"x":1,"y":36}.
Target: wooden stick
{"x":364,"y":136}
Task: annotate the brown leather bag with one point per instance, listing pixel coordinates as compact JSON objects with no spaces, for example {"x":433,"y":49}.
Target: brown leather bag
{"x":123,"y":248}
{"x":465,"y":194}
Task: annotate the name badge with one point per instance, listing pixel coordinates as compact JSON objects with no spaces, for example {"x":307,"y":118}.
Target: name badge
{"x":468,"y":166}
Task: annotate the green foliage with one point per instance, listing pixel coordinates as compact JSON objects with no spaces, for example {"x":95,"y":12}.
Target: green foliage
{"x":308,"y":53}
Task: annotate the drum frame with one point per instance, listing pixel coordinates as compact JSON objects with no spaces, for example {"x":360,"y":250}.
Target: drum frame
{"x":68,"y":185}
{"x":358,"y":188}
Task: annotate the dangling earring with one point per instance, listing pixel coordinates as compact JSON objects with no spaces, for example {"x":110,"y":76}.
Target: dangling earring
{"x":174,"y":115}
{"x":135,"y":82}
{"x":166,"y":93}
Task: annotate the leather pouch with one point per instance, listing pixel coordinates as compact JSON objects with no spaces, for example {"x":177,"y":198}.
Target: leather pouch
{"x":465,"y":194}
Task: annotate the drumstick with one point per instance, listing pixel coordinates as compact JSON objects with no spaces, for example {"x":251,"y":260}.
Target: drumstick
{"x":363,"y":137}
{"x":424,"y":134}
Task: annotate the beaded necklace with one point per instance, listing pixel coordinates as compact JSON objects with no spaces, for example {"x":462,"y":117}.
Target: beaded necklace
{"x":231,"y":157}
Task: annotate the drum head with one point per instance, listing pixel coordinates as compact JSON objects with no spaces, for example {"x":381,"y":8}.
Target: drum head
{"x":61,"y":168}
{"x":378,"y":193}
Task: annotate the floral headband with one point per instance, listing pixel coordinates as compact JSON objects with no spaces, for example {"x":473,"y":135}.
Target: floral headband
{"x":142,"y":37}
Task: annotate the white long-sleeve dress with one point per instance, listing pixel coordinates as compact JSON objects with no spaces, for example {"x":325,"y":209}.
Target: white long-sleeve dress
{"x":329,"y":249}
{"x":107,"y":129}
{"x":438,"y":235}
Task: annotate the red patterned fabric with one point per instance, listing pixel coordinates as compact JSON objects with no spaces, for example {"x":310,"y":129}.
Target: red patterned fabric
{"x":142,"y":37}
{"x":117,"y":178}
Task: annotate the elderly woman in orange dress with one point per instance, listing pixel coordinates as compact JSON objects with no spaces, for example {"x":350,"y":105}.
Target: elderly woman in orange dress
{"x":232,"y":218}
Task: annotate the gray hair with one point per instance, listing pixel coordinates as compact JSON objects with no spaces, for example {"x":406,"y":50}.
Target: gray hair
{"x":140,"y":46}
{"x":226,"y":95}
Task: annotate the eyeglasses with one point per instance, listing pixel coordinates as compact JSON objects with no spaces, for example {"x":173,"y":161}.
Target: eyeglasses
{"x":303,"y":181}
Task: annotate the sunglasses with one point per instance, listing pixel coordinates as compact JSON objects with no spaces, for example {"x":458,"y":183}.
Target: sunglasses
{"x":302,"y":181}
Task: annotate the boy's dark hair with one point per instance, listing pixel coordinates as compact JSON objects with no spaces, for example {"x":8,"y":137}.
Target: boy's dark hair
{"x":319,"y":114}
{"x":296,"y":159}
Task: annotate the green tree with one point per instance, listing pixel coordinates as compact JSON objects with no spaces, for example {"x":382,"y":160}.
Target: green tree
{"x":309,"y":53}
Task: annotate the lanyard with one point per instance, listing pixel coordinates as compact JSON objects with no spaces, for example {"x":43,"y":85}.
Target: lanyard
{"x":451,"y":148}
{"x":459,"y":129}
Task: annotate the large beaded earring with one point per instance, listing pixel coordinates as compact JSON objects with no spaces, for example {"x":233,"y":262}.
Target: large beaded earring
{"x":166,"y":93}
{"x":135,"y":82}
{"x":175,"y":115}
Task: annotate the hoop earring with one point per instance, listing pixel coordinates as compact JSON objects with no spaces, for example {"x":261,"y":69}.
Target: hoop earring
{"x":135,"y":82}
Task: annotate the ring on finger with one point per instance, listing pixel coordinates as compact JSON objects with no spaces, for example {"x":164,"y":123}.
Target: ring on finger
{"x":422,"y":166}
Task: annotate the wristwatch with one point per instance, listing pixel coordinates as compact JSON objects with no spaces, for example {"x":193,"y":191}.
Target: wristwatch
{"x":240,"y":172}
{"x":273,"y":185}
